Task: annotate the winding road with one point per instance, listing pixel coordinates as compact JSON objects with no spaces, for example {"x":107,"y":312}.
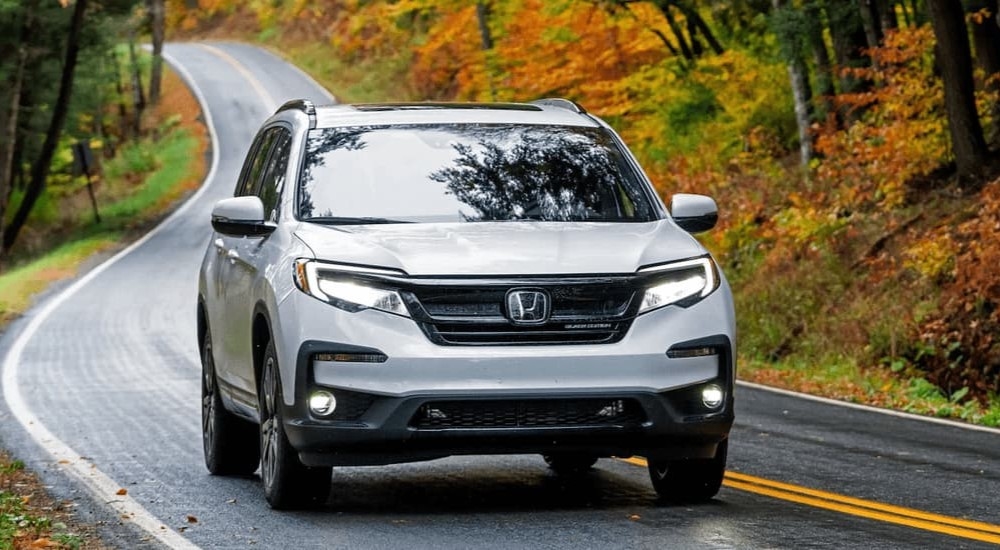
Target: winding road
{"x":101,"y":393}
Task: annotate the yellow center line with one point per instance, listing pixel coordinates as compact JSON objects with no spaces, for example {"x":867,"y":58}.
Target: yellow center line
{"x":898,"y":515}
{"x":269,"y":103}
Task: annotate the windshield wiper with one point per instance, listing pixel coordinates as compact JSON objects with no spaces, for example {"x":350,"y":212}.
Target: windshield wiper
{"x":346,"y":220}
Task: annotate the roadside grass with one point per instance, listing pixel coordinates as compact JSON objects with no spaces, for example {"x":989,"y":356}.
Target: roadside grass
{"x":19,"y":285}
{"x":30,"y":519}
{"x":368,"y":80}
{"x":843,"y":379}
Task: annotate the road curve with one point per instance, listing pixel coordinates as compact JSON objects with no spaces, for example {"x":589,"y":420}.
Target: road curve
{"x":101,"y":392}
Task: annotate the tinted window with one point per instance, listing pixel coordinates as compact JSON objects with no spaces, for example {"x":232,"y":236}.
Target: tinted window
{"x":273,"y":179}
{"x":250,"y":176}
{"x":466,"y":172}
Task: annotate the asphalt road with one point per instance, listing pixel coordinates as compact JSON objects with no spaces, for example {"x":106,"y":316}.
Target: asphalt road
{"x":107,"y":379}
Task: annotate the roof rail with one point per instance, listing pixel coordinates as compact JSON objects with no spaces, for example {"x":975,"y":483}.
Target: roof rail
{"x":304,"y":105}
{"x":560,"y":103}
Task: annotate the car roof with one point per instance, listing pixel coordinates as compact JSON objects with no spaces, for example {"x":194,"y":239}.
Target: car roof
{"x":558,"y":112}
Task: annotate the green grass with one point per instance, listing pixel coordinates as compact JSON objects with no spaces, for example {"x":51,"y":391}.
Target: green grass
{"x":842,"y":378}
{"x":19,"y":285}
{"x":171,"y":156}
{"x":371,"y":80}
{"x":17,"y":524}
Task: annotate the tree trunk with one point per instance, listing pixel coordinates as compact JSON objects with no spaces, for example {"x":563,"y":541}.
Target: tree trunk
{"x":798,"y":76}
{"x":486,"y":39}
{"x":825,"y":87}
{"x":659,"y":34}
{"x":157,"y":13}
{"x":675,"y":28}
{"x":967,"y":142}
{"x":849,"y":43}
{"x":887,"y":12}
{"x":696,"y":48}
{"x":9,"y":142}
{"x":872,"y":21}
{"x":138,"y":95}
{"x":986,"y":42}
{"x":40,"y":168}
{"x":696,"y":21}
{"x":124,"y":124}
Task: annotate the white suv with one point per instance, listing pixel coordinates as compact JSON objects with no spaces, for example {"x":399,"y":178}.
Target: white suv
{"x":405,"y":282}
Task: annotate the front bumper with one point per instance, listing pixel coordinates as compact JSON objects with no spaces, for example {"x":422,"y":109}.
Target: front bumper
{"x":368,"y":428}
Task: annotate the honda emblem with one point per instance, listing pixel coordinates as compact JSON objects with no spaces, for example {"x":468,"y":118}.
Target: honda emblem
{"x":528,"y":307}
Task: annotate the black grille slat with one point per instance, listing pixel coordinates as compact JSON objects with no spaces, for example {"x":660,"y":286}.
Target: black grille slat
{"x":582,"y":312}
{"x":529,"y":413}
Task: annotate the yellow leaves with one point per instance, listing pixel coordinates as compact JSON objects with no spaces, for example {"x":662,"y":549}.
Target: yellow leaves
{"x":932,"y":257}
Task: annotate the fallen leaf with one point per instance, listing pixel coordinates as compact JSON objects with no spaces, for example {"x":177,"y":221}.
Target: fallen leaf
{"x":231,"y":501}
{"x":635,"y":517}
{"x":192,"y":519}
{"x":122,"y":492}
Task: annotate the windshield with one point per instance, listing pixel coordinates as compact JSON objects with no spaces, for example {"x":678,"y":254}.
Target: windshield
{"x":468,"y":173}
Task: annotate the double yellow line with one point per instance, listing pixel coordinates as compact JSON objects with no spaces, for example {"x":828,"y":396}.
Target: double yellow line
{"x":909,"y":517}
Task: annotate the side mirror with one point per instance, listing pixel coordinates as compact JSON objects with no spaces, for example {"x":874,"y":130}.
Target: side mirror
{"x":240,"y":217}
{"x":694,"y":213}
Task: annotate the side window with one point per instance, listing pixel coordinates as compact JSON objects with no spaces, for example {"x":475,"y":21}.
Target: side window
{"x":250,"y":176}
{"x":273,"y":180}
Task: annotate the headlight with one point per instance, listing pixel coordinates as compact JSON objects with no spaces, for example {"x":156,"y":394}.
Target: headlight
{"x":681,"y":283}
{"x":341,"y":287}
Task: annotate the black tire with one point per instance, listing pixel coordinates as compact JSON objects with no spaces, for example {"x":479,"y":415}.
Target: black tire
{"x":288,"y":484}
{"x":696,"y":480}
{"x":230,"y":443}
{"x":570,"y":465}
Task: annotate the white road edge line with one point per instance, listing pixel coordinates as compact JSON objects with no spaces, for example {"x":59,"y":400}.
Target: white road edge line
{"x":100,"y":485}
{"x":869,"y":408}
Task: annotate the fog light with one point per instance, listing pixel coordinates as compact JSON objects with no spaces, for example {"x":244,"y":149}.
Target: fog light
{"x":711,"y":396}
{"x":322,"y":403}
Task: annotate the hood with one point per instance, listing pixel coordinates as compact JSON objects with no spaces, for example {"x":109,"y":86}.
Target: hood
{"x":502,"y":248}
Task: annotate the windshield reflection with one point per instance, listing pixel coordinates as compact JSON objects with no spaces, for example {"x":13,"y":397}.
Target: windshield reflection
{"x":469,"y":173}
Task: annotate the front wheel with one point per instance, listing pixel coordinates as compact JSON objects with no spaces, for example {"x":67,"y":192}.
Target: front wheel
{"x":288,"y":484}
{"x":693,"y":480}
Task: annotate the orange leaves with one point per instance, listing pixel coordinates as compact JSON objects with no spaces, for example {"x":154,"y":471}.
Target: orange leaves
{"x":901,"y":134}
{"x":452,"y":63}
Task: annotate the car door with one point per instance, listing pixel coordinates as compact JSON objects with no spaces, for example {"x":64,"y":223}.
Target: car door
{"x":233,"y":281}
{"x":251,"y":257}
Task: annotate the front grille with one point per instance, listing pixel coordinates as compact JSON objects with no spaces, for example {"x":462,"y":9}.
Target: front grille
{"x":582,"y":312}
{"x":351,"y":405}
{"x":529,"y":413}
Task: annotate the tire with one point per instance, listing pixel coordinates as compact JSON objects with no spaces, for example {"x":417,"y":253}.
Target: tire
{"x":230,"y":443}
{"x":689,"y":481}
{"x":288,"y":484}
{"x":570,"y":465}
